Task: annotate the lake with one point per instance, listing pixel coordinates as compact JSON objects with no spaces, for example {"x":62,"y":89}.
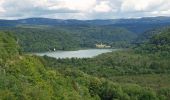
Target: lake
{"x":88,"y":53}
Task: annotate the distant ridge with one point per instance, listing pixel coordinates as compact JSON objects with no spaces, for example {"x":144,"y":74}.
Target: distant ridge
{"x":137,"y":25}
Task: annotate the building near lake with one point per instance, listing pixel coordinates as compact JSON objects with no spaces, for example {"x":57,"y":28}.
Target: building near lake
{"x":102,"y":46}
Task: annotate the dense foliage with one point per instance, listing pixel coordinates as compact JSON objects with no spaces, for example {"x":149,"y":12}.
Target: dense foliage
{"x":27,"y":77}
{"x":147,"y":65}
{"x":116,"y":63}
{"x":158,"y":43}
{"x":46,"y":38}
{"x":8,"y":46}
{"x":139,"y":74}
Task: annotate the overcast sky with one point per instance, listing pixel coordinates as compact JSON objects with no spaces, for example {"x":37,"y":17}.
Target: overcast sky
{"x":83,"y":9}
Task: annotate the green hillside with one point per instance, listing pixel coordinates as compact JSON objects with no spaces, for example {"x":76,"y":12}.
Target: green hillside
{"x":26,"y":77}
{"x":8,"y":46}
{"x":46,"y":38}
{"x":158,"y":43}
{"x":147,"y":65}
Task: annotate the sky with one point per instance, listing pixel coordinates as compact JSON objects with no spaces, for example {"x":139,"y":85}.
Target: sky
{"x":83,"y":9}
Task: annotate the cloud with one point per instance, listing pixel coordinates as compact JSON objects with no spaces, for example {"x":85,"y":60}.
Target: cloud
{"x":1,"y":8}
{"x":103,"y":6}
{"x":83,"y":9}
{"x":141,"y":5}
{"x":29,"y":8}
{"x":142,"y":8}
{"x":81,"y":5}
{"x":33,"y":8}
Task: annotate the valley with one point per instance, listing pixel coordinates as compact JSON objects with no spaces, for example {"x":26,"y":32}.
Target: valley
{"x":70,"y":67}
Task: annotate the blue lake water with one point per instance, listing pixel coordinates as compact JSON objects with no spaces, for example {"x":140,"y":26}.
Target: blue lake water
{"x":88,"y":53}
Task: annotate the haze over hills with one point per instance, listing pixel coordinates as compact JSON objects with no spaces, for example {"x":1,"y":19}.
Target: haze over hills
{"x":138,"y":25}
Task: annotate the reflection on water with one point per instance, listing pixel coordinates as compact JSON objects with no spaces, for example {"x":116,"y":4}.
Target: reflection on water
{"x":89,"y":53}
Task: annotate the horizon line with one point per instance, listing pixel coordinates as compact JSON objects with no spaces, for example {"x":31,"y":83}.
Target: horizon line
{"x":84,"y":19}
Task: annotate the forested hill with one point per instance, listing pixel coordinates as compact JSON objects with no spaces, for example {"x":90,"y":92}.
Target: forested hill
{"x":146,"y":36}
{"x":156,"y":41}
{"x":135,"y":25}
{"x":8,"y":46}
{"x":43,"y":34}
{"x":145,"y":65}
{"x":26,"y":77}
{"x":46,"y":38}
